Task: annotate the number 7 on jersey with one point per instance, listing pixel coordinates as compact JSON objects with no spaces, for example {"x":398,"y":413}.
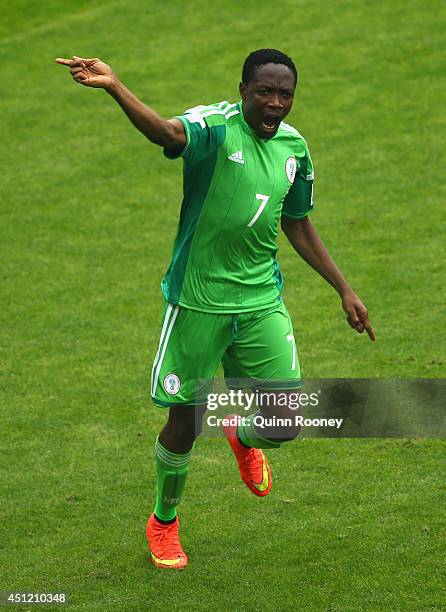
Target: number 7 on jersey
{"x":264,"y":199}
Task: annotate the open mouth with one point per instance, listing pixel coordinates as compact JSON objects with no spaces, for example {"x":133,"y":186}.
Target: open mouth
{"x":270,"y":123}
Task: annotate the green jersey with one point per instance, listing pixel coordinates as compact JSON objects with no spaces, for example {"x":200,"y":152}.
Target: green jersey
{"x":236,"y":186}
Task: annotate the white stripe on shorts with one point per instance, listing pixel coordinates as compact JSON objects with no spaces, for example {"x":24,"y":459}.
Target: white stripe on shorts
{"x":163,"y":331}
{"x":163,"y":351}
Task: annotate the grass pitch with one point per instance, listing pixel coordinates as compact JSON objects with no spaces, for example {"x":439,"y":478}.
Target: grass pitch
{"x":89,"y":211}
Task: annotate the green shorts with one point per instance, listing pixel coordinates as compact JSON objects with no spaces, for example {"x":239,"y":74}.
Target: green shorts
{"x":255,"y":347}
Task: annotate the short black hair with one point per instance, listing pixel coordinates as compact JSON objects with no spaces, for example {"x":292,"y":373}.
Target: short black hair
{"x":265,"y":56}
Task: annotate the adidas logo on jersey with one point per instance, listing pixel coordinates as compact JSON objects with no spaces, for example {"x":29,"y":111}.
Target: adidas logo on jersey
{"x":237,"y":157}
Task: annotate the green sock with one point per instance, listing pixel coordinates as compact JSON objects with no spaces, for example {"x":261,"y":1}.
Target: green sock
{"x":247,"y":434}
{"x":171,"y":474}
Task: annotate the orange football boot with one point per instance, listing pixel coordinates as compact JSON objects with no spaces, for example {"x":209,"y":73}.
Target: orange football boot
{"x":164,"y":543}
{"x":252,"y":462}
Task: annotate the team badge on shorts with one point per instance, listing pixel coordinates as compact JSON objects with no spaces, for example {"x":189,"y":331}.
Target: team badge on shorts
{"x":290,"y":168}
{"x":172,"y":384}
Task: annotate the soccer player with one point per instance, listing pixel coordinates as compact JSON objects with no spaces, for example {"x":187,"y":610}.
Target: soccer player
{"x":245,"y":170}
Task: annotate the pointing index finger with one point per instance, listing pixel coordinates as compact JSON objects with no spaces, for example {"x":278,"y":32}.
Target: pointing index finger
{"x":64,"y":62}
{"x":369,"y":330}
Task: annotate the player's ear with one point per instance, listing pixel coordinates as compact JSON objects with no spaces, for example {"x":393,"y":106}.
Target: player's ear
{"x":242,"y":90}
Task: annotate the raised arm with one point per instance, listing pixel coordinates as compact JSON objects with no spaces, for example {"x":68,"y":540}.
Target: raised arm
{"x":306,"y":242}
{"x":167,"y":133}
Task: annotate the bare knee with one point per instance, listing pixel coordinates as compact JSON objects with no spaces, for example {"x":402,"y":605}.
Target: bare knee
{"x":279,"y":417}
{"x":183,"y":427}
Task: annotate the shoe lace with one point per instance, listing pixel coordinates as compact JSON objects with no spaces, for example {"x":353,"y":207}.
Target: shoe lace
{"x":253,"y":459}
{"x":168,"y":538}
